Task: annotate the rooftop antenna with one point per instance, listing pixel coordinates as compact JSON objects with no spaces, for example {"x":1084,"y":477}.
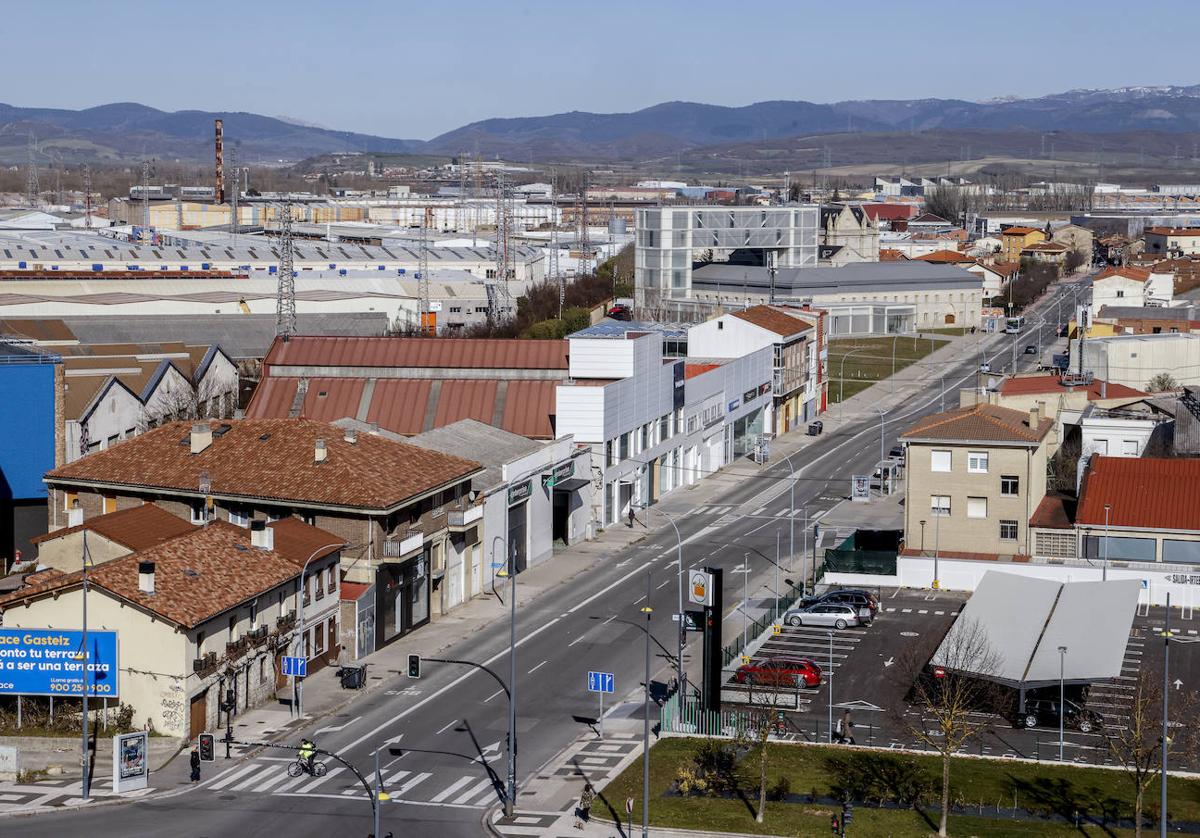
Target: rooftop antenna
{"x":146,"y":199}
{"x":285,"y":297}
{"x":426,"y":318}
{"x":32,"y":187}
{"x":219,"y":143}
{"x":87,"y":196}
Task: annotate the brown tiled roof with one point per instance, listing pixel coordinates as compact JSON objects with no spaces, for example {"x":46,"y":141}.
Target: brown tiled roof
{"x":1174,"y":231}
{"x":137,"y":527}
{"x":198,"y":576}
{"x":297,"y":541}
{"x":1140,"y":274}
{"x":272,"y":459}
{"x":1019,"y":231}
{"x":1150,"y":492}
{"x":1023,"y":385}
{"x":456,"y":353}
{"x":1047,"y":247}
{"x":773,"y":319}
{"x":1055,"y":512}
{"x":887,"y":254}
{"x":982,"y":423}
{"x":952,"y":257}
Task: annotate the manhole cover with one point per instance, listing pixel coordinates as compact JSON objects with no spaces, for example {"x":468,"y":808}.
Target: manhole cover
{"x":910,"y":634}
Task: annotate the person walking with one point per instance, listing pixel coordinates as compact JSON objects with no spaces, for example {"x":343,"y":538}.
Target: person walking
{"x":194,"y":761}
{"x":632,"y":517}
{"x":584,"y":812}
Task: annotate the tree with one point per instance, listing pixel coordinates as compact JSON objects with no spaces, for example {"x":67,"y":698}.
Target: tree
{"x":946,"y":702}
{"x":1162,"y":382}
{"x":770,"y":689}
{"x":1136,"y":745}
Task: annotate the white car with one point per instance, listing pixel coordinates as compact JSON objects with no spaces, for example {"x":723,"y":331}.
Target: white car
{"x":832,"y":614}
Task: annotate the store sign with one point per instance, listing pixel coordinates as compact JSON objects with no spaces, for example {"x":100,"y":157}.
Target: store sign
{"x":560,"y":472}
{"x":733,"y":405}
{"x":749,"y":395}
{"x":678,"y":384}
{"x":520,"y":491}
{"x":700,"y":587}
{"x":50,"y":662}
{"x":1184,"y":578}
{"x":763,"y":389}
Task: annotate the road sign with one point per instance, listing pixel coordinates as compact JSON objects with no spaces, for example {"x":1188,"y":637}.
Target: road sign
{"x":939,"y":672}
{"x":600,"y":682}
{"x":700,"y":587}
{"x":50,"y":662}
{"x":295,"y":666}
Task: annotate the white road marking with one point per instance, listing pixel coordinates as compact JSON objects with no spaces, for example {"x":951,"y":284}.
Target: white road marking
{"x":394,"y":778}
{"x":414,"y":782}
{"x":342,"y":726}
{"x":665,"y":582}
{"x":484,"y":785}
{"x":447,"y":727}
{"x":572,"y":643}
{"x":229,"y":778}
{"x":333,"y":772}
{"x":493,"y":695}
{"x":530,"y":672}
{"x":449,"y":790}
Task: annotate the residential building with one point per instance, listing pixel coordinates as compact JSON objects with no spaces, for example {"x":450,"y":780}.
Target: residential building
{"x":1173,"y":241}
{"x":108,"y":536}
{"x":1149,"y":320}
{"x":974,"y":477}
{"x":671,"y":239}
{"x":1015,"y":239}
{"x":1047,"y":253}
{"x":390,"y":503}
{"x":1134,"y":360}
{"x":848,"y":235}
{"x":797,"y":340}
{"x":198,"y":616}
{"x":1128,"y":286}
{"x":1078,"y":239}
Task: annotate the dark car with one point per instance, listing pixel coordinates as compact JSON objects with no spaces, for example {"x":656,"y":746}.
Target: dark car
{"x":621,"y":312}
{"x":814,"y":428}
{"x":780,"y":670}
{"x":897,"y":453}
{"x":1043,"y":712}
{"x":1031,"y":350}
{"x":862,"y":599}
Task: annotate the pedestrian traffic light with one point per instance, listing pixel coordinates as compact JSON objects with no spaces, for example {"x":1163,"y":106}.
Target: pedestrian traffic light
{"x":414,"y":666}
{"x":208,"y":747}
{"x":833,"y":824}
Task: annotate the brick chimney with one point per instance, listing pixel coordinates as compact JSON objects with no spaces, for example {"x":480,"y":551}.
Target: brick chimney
{"x":262,"y":536}
{"x":146,"y":577}
{"x":320,"y":452}
{"x":201,"y":437}
{"x":1035,"y":416}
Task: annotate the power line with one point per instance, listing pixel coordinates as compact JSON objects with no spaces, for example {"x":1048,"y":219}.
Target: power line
{"x":285,"y":298}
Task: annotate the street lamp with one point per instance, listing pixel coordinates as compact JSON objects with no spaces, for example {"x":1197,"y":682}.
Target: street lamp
{"x":937,"y":532}
{"x":680,"y":675}
{"x":1062,"y":698}
{"x":1104,"y":568}
{"x":647,"y":610}
{"x":830,"y":686}
{"x":323,"y":550}
{"x":87,"y":780}
{"x":510,"y":798}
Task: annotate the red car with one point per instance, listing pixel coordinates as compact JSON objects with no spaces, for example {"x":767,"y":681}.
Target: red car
{"x":781,"y":670}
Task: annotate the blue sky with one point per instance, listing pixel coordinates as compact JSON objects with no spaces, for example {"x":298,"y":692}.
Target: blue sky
{"x":414,"y":70}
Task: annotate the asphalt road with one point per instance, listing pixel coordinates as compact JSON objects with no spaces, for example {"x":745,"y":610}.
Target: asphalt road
{"x":451,"y":724}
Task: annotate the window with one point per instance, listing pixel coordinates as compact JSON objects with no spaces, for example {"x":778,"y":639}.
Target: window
{"x":262,"y":669}
{"x":456,"y":309}
{"x":69,"y":500}
{"x":1100,"y":446}
{"x":692,"y":424}
{"x":1129,"y":447}
{"x":1008,"y":530}
{"x":645,"y":437}
{"x":939,"y":505}
{"x":1120,"y":293}
{"x":319,"y":637}
{"x":1010,"y":485}
{"x":976,"y":507}
{"x":197,"y":512}
{"x":623,"y":446}
{"x":939,"y":460}
{"x":110,"y":504}
{"x":977,"y":462}
{"x":254,"y":614}
{"x":331,"y":579}
{"x":239,"y":516}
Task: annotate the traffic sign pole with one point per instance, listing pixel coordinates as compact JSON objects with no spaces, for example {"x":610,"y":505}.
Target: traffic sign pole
{"x":601,"y":717}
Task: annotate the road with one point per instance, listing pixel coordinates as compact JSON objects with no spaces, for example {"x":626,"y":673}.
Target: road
{"x":450,"y":725}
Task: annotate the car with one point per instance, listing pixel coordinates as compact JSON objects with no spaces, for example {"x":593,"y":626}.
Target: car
{"x":780,"y":670}
{"x":985,"y":367}
{"x":621,"y":312}
{"x":862,"y":599}
{"x":897,"y":453}
{"x":1031,"y":350}
{"x":1043,"y":712}
{"x":815,"y":428}
{"x":838,"y":615}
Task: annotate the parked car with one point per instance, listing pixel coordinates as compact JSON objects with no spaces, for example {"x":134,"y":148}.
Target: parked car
{"x":897,"y":453}
{"x":1043,"y":712}
{"x":862,"y":599}
{"x":985,"y":367}
{"x":1031,"y":350}
{"x":815,"y":428}
{"x":837,"y":615}
{"x":780,"y":670}
{"x":621,"y":312}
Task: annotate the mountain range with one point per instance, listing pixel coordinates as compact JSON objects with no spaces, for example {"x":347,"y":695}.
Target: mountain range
{"x":129,"y":130}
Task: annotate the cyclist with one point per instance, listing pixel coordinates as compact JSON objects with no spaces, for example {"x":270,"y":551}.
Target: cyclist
{"x":308,"y":750}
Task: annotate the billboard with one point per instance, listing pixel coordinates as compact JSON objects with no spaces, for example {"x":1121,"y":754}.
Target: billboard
{"x":50,"y":662}
{"x":131,"y":765}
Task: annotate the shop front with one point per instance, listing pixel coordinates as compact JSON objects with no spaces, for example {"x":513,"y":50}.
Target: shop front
{"x":402,"y":597}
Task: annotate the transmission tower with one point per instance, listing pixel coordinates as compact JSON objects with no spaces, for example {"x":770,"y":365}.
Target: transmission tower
{"x":425,"y":310}
{"x":87,"y":197}
{"x":233,"y":195}
{"x":501,"y":301}
{"x":285,"y":297}
{"x":145,"y":199}
{"x":32,"y":187}
{"x":552,"y":269}
{"x":586,"y":265}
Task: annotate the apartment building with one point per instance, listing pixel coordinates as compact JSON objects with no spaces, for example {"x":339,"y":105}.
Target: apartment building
{"x":1015,"y":239}
{"x":974,"y":477}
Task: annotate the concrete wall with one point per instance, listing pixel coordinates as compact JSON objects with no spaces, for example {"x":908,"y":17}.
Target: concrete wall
{"x":66,"y":552}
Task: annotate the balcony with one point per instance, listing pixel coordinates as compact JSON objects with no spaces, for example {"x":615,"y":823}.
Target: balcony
{"x":205,"y":665}
{"x":398,"y":548}
{"x":257,"y":636}
{"x":234,"y":649}
{"x":286,"y":622}
{"x":463,"y":518}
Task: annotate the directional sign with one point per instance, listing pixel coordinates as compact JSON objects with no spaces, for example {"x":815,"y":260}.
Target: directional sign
{"x":601,"y":682}
{"x":295,"y":666}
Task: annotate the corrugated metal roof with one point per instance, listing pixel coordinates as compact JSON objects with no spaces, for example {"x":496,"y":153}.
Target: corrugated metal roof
{"x":470,"y":399}
{"x":529,"y":407}
{"x":332,"y":398}
{"x":399,"y":405}
{"x":1142,"y":492}
{"x":273,"y":397}
{"x":456,"y":353}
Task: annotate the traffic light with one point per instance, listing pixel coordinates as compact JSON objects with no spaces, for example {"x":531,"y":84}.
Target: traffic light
{"x":414,"y":666}
{"x":208,"y":747}
{"x":847,"y":813}
{"x":833,"y":824}
{"x":230,"y":701}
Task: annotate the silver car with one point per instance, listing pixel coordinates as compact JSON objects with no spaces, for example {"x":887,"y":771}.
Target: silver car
{"x":833,"y":614}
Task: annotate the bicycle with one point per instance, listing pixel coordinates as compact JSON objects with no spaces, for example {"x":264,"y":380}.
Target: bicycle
{"x":299,"y":767}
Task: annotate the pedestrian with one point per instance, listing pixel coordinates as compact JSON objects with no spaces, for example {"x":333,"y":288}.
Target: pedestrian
{"x":584,"y":812}
{"x":194,"y":760}
{"x":845,"y":727}
{"x":632,"y":518}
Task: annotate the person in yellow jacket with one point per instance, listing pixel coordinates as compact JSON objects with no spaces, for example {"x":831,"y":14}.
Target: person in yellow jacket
{"x":308,"y":750}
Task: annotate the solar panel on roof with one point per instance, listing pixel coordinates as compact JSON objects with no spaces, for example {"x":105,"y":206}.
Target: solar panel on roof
{"x":58,"y":253}
{"x":181,"y":253}
{"x":108,"y":253}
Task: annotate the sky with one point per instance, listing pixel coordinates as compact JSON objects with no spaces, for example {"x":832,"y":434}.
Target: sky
{"x":414,"y":70}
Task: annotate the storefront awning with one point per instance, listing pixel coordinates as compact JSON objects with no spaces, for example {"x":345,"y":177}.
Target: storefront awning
{"x":571,"y":484}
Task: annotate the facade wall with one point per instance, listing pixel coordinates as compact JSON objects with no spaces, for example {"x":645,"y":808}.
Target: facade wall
{"x":66,"y":553}
{"x":1134,"y":360}
{"x":116,"y":416}
{"x":29,"y":411}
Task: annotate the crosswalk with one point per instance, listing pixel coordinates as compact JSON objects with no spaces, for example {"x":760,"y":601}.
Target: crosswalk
{"x":477,"y":789}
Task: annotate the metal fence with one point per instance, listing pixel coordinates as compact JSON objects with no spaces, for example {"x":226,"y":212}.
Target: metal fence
{"x":774,"y":605}
{"x":683,"y":714}
{"x":875,"y":562}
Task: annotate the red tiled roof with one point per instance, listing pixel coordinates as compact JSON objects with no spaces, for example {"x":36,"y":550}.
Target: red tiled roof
{"x":1019,"y":231}
{"x":353,"y":590}
{"x":886,"y":254}
{"x":982,"y":423}
{"x":1174,"y":231}
{"x":272,"y":459}
{"x":455,"y":353}
{"x":1024,"y":385}
{"x":1140,"y":274}
{"x":952,"y":257}
{"x":1047,"y":247}
{"x":773,"y":319}
{"x":197,"y":576}
{"x":1149,"y":492}
{"x":889,"y":212}
{"x":928,"y":218}
{"x":1055,"y":512}
{"x":297,"y":541}
{"x":693,"y":370}
{"x":137,"y":527}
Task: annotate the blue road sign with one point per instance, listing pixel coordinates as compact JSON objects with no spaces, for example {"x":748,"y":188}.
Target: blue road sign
{"x":601,"y":682}
{"x":50,"y":662}
{"x":295,"y":666}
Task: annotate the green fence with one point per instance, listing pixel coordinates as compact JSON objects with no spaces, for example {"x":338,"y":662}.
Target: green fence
{"x":681,"y":714}
{"x":875,"y":562}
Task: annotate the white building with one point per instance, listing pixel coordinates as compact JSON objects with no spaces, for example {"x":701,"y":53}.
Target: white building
{"x":1135,"y":359}
{"x":1126,"y":286}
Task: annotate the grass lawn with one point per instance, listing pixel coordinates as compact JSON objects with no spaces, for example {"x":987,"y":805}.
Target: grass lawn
{"x":863,"y":361}
{"x":1044,"y":790}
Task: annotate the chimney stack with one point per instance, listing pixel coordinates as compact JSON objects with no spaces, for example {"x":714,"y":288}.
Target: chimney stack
{"x":1035,"y":416}
{"x":350,"y":436}
{"x":146,"y":577}
{"x":1103,"y":389}
{"x":201,"y":437}
{"x":321,"y":453}
{"x":262,"y":536}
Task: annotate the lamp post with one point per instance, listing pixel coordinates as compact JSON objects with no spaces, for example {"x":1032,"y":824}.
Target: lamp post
{"x":1104,"y":567}
{"x":680,"y":675}
{"x":647,"y":610}
{"x":830,"y":687}
{"x":937,"y":531}
{"x":323,"y":550}
{"x":1062,"y":698}
{"x":922,"y":536}
{"x":83,"y":757}
{"x":842,"y":372}
{"x":510,"y":797}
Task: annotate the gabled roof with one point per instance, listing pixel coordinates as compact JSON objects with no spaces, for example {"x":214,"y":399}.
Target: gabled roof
{"x":978,"y":423}
{"x":887,"y":254}
{"x":1143,"y":492}
{"x":1019,"y":230}
{"x":137,"y":528}
{"x":1047,"y":247}
{"x":952,"y":257}
{"x":775,"y":319}
{"x":272,"y":459}
{"x":200,"y":575}
{"x":1023,"y":385}
{"x":928,"y":218}
{"x":456,"y":353}
{"x":1126,"y":272}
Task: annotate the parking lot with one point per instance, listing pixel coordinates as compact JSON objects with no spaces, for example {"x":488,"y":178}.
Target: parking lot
{"x":869,"y":671}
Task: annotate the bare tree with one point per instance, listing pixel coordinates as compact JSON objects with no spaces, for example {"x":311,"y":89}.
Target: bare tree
{"x":770,"y":691}
{"x":1162,"y":382}
{"x":1136,"y":746}
{"x":948,"y":692}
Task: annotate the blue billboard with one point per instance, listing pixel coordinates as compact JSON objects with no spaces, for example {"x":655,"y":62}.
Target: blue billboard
{"x":50,"y":662}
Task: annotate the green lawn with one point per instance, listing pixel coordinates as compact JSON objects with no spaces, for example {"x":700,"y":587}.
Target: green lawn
{"x":863,"y":361}
{"x":1042,"y":789}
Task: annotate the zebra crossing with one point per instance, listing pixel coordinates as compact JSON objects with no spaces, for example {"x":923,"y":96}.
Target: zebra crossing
{"x":444,"y":787}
